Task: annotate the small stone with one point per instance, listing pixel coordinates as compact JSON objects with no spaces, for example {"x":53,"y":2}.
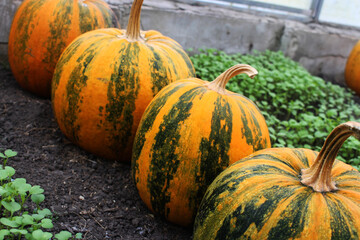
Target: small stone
{"x":135,"y":221}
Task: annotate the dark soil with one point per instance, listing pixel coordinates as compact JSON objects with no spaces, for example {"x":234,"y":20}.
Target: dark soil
{"x":89,"y":195}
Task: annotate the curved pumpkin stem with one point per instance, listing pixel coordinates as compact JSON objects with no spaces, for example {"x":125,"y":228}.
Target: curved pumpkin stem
{"x":318,"y":176}
{"x":133,"y":27}
{"x":220,"y":82}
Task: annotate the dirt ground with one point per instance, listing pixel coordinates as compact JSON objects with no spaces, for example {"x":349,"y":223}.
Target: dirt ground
{"x":88,"y":194}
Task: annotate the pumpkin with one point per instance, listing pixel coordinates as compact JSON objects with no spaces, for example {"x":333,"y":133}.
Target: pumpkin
{"x":189,"y":133}
{"x":105,"y":79}
{"x":40,"y":31}
{"x":285,"y":193}
{"x":352,"y":72}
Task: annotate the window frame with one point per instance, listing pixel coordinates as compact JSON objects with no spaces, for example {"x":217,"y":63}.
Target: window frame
{"x":305,"y":15}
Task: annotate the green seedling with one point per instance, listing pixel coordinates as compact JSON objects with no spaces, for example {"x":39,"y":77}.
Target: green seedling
{"x":300,"y":109}
{"x":20,"y":213}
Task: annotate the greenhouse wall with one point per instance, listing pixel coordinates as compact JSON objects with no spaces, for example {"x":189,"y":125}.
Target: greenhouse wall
{"x":320,"y":48}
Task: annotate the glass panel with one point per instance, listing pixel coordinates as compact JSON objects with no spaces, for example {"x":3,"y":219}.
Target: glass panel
{"x":337,"y":11}
{"x":302,"y":4}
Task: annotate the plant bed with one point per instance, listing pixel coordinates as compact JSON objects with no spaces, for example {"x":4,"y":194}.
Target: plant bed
{"x":88,"y":195}
{"x":97,"y":198}
{"x":300,"y":109}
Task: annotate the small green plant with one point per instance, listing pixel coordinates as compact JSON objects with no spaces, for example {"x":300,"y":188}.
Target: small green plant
{"x":300,"y":109}
{"x":17,"y":198}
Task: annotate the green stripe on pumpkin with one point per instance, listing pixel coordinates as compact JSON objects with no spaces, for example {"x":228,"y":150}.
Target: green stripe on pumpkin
{"x":186,"y":58}
{"x":230,"y":183}
{"x":300,"y":153}
{"x":110,"y":19}
{"x":59,"y":32}
{"x":24,"y":24}
{"x":341,"y":220}
{"x":252,"y":138}
{"x":292,"y":221}
{"x":214,"y":150}
{"x":149,"y":116}
{"x":87,"y":21}
{"x":351,"y":175}
{"x":158,"y":72}
{"x":29,"y":12}
{"x":122,"y":93}
{"x":68,"y":53}
{"x":272,"y":158}
{"x":75,"y":84}
{"x":165,"y":162}
{"x":251,"y":212}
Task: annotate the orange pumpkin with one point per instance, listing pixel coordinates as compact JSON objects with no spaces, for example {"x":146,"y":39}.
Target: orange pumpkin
{"x":40,"y":31}
{"x":189,"y":133}
{"x":352,"y":69}
{"x":285,"y":193}
{"x":105,"y":79}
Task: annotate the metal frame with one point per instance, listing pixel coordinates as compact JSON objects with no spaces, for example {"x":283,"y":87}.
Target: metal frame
{"x":311,"y":14}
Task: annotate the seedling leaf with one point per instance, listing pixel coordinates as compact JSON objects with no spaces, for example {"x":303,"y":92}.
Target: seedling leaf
{"x":19,"y":231}
{"x":37,"y":198}
{"x":40,"y":235}
{"x":47,"y":223}
{"x":36,"y":190}
{"x":8,"y":222}
{"x":11,"y":206}
{"x":63,"y":235}
{"x":10,"y":153}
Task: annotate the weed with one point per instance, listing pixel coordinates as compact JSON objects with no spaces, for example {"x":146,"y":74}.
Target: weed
{"x":17,"y":198}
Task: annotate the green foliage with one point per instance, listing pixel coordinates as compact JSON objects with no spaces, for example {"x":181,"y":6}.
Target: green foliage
{"x":300,"y":109}
{"x":16,"y":198}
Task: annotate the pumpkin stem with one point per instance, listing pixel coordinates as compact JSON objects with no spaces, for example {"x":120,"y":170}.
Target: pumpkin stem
{"x":133,"y":27}
{"x":318,"y":176}
{"x":220,"y":82}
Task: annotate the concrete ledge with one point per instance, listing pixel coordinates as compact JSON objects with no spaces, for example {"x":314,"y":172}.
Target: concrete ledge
{"x":321,"y":49}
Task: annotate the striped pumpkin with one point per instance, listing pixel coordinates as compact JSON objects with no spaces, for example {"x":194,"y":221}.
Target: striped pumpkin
{"x":189,"y":133}
{"x":352,"y":69}
{"x":40,"y":31}
{"x":105,"y":79}
{"x":285,"y":193}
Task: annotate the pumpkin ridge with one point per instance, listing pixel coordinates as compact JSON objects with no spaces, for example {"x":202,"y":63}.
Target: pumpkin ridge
{"x":214,"y":150}
{"x":77,"y":81}
{"x":273,"y":158}
{"x":339,"y":229}
{"x":59,"y":32}
{"x":66,"y":56}
{"x":109,"y":19}
{"x":169,"y":45}
{"x":25,"y":21}
{"x":300,"y":154}
{"x":271,"y":170}
{"x":290,"y":225}
{"x":187,"y":60}
{"x":189,"y":64}
{"x":159,"y":181}
{"x":253,"y":213}
{"x":19,"y":47}
{"x":159,"y":78}
{"x":122,"y":92}
{"x":146,"y":123}
{"x":230,"y":183}
{"x":349,"y":175}
{"x":258,"y":135}
{"x":246,"y":130}
{"x":85,"y":15}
